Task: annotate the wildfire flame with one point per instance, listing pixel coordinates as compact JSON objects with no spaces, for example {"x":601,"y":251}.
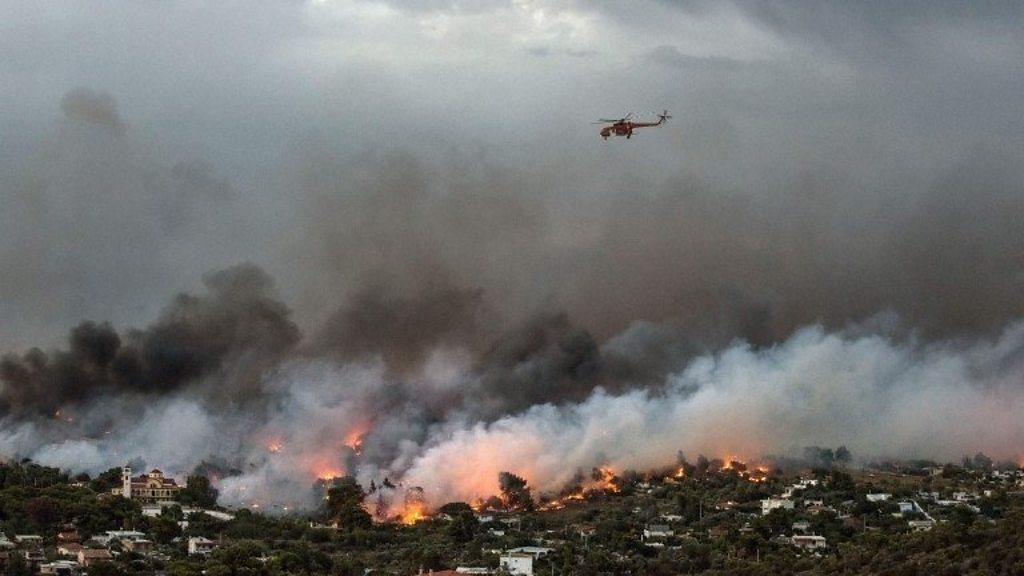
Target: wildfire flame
{"x":414,"y":507}
{"x":756,"y":473}
{"x":354,"y":438}
{"x":326,"y":474}
{"x":412,"y":514}
{"x":602,"y":480}
{"x":605,"y":479}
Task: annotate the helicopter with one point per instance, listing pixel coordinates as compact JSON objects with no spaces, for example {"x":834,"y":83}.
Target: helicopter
{"x":624,"y":126}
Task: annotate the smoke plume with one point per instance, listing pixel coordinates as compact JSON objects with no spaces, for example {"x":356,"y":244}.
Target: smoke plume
{"x":824,"y":247}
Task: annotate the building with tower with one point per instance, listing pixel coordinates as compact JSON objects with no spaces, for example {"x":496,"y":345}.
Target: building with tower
{"x":152,"y":489}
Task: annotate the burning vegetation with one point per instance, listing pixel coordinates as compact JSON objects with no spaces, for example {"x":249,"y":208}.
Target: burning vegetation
{"x":387,"y":502}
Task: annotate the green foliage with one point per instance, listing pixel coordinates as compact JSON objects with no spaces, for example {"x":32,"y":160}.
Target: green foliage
{"x":16,"y":565}
{"x":515,"y":494}
{"x":29,"y":474}
{"x":106,"y":569}
{"x":840,"y":481}
{"x":198,"y":492}
{"x":455,"y":508}
{"x":106,"y":481}
{"x":344,"y":504}
{"x":239,"y":559}
{"x":300,"y":559}
{"x":463,"y":527}
{"x":35,"y":499}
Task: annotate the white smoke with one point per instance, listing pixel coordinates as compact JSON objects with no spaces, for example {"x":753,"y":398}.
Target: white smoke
{"x":879,"y":395}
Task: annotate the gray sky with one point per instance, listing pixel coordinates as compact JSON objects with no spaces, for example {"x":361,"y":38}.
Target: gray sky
{"x":820,"y":155}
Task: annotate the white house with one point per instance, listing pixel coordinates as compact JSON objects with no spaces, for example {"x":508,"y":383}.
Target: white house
{"x":769,"y":504}
{"x":809,"y":541}
{"x":879,"y":497}
{"x":921,"y":525}
{"x":200,"y":545}
{"x":535,"y":551}
{"x":657,"y":531}
{"x":122,"y":535}
{"x":59,"y":568}
{"x":518,"y":564}
{"x":155,"y":510}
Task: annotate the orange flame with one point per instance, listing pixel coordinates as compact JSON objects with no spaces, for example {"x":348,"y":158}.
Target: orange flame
{"x":605,"y":480}
{"x":354,"y":438}
{"x":414,"y":507}
{"x":756,"y":473}
{"x":412,"y":513}
{"x":328,"y":474}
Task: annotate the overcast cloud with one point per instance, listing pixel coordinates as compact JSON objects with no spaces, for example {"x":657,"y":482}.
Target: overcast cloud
{"x":147,"y":143}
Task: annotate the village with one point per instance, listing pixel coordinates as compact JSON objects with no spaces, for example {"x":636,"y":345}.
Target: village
{"x":712,"y":516}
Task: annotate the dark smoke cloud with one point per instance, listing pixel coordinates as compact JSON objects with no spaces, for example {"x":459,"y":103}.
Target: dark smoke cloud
{"x":97,"y":225}
{"x":234,"y":331}
{"x":403,"y":330}
{"x":716,"y":263}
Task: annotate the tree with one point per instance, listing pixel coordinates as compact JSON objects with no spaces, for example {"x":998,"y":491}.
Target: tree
{"x":982,"y":462}
{"x":164,"y":529}
{"x":301,"y":558}
{"x":463,"y":527}
{"x":840,"y":481}
{"x":818,"y":456}
{"x":344,"y":504}
{"x":515,"y":494}
{"x":43,"y":513}
{"x":107,"y":480}
{"x":198,"y":491}
{"x":105,"y":569}
{"x":455,"y":508}
{"x":843,"y":455}
{"x":237,"y":560}
{"x":702,"y":465}
{"x":183,"y":568}
{"x":16,"y":565}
